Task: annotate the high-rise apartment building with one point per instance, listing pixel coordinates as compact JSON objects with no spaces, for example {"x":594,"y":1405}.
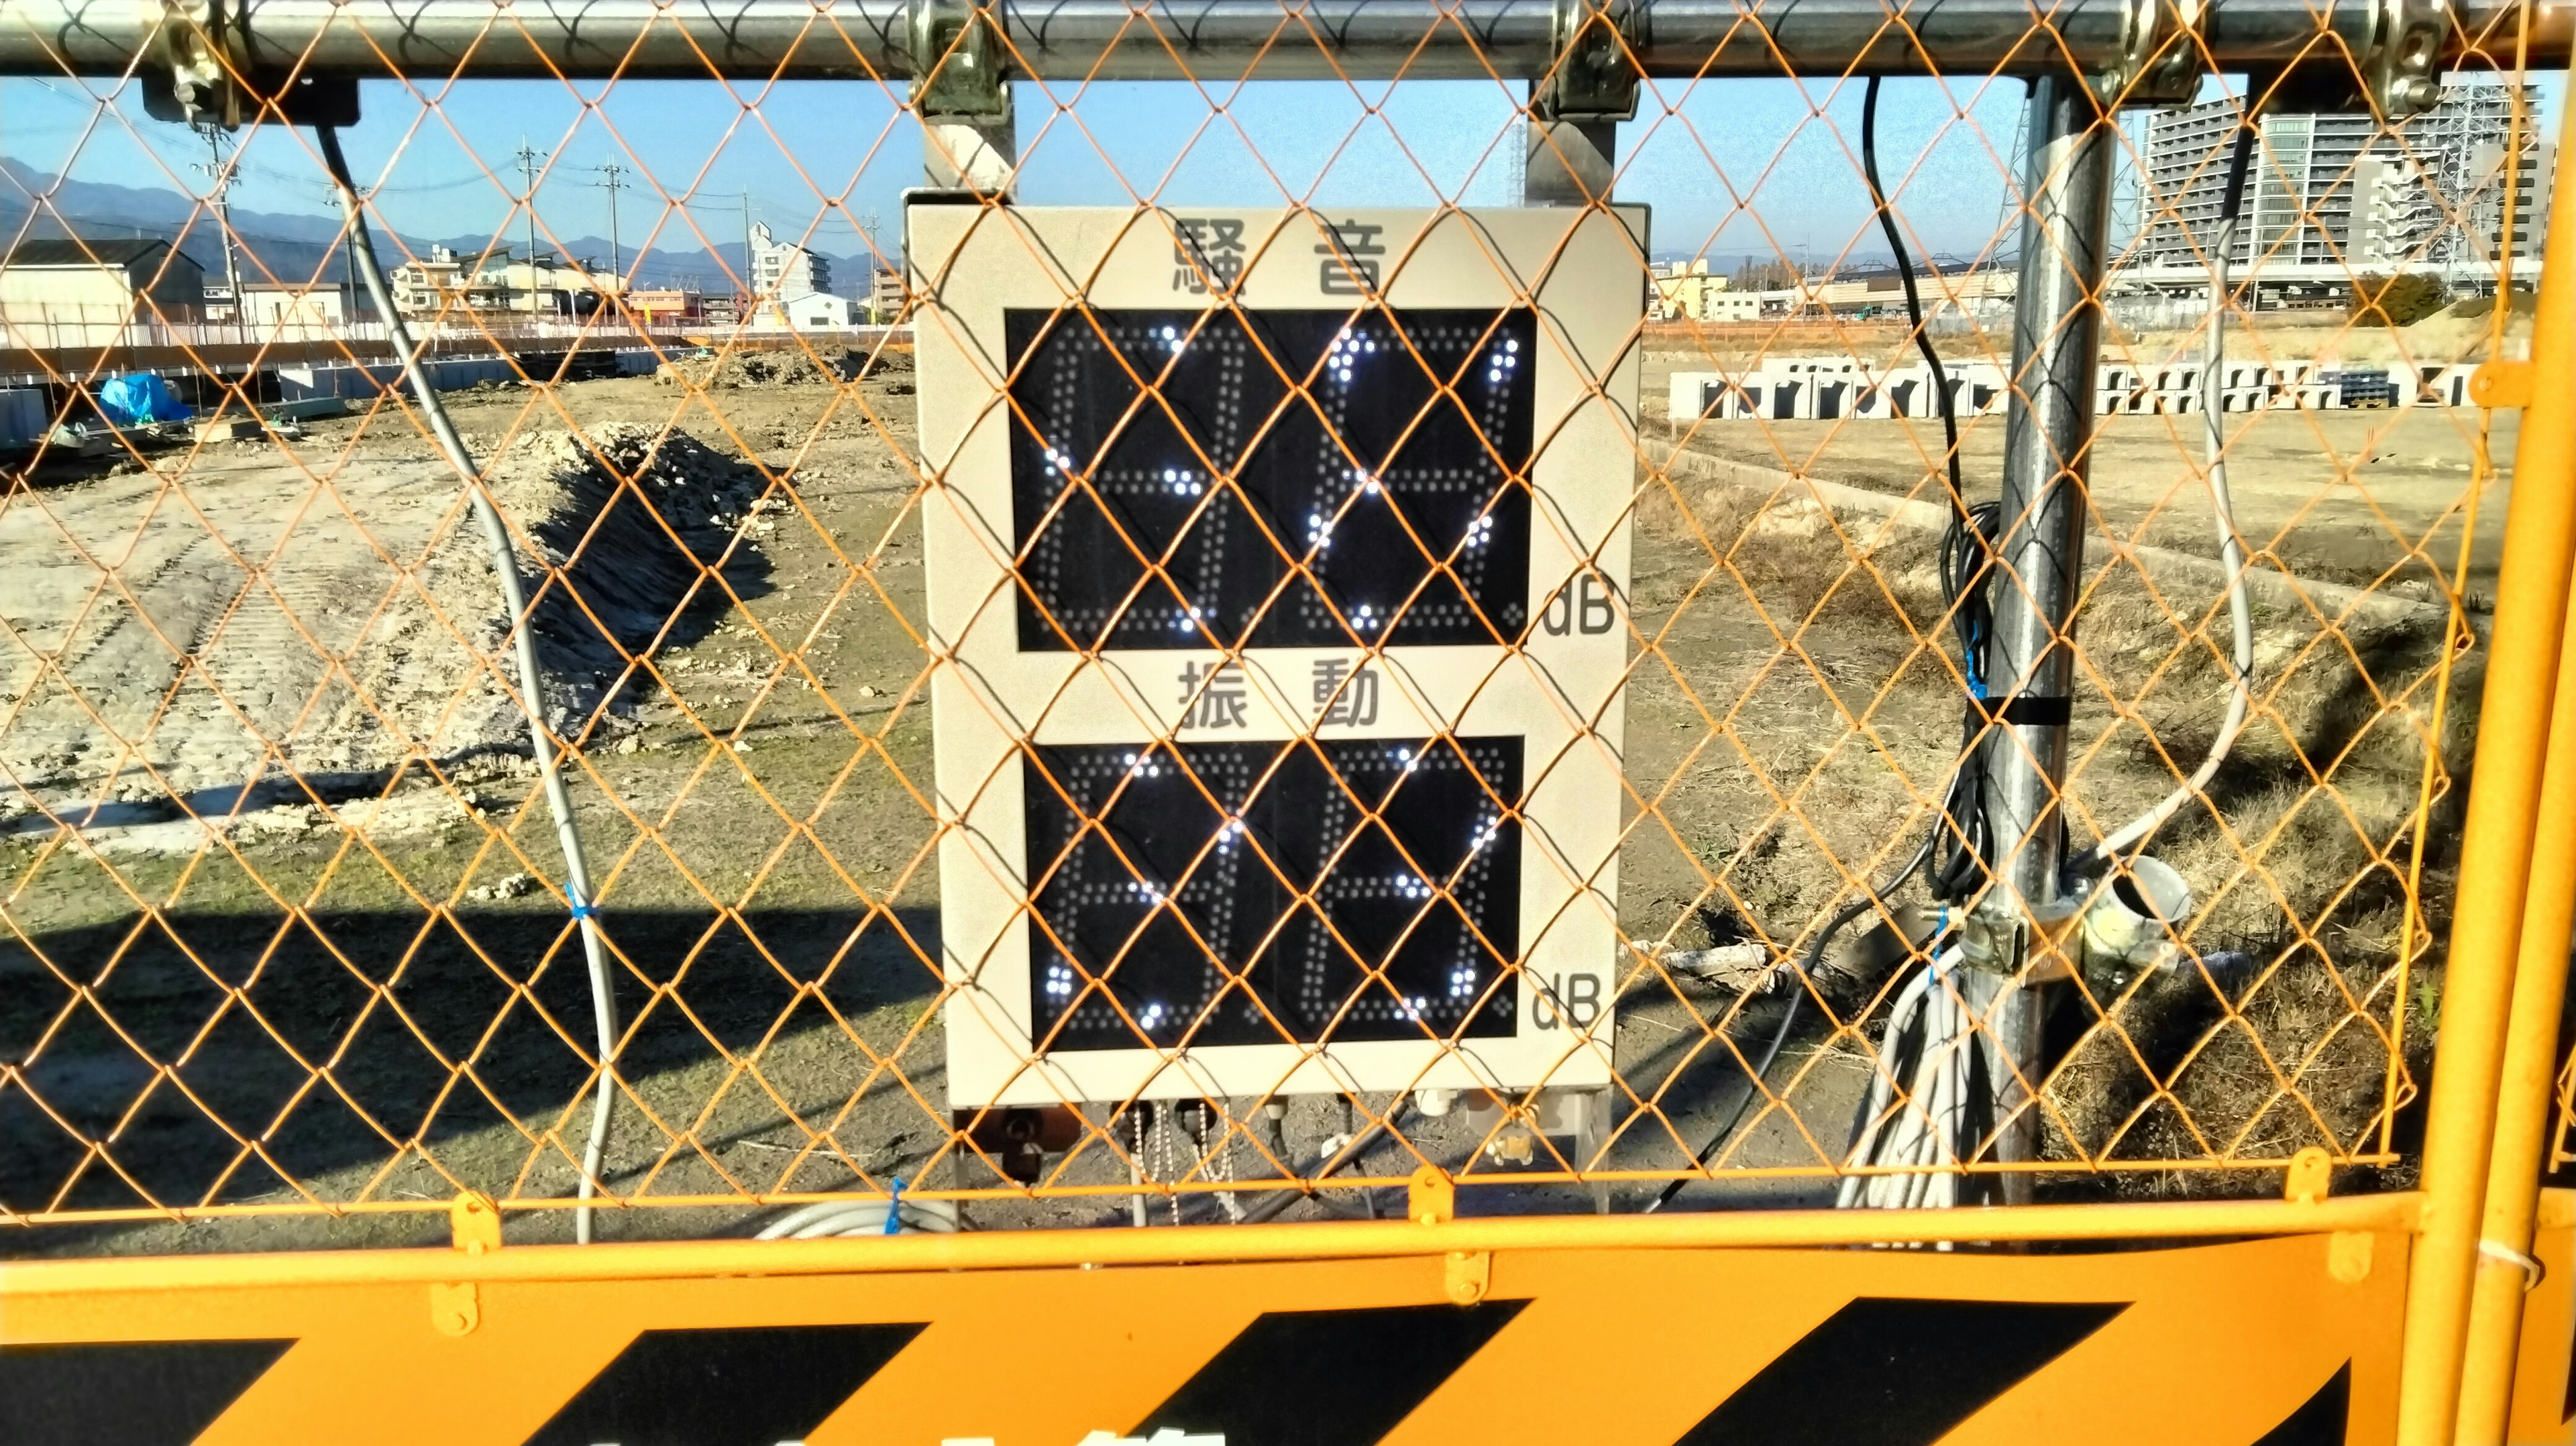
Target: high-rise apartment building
{"x":2338,"y":190}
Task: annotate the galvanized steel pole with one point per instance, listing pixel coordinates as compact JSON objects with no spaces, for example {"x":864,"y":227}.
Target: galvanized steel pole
{"x":1204,"y":40}
{"x":2039,"y":557}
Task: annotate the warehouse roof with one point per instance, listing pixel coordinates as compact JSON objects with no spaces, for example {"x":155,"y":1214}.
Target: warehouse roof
{"x":99,"y":252}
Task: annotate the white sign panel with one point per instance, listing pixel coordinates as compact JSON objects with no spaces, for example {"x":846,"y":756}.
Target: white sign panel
{"x":1277,"y":565}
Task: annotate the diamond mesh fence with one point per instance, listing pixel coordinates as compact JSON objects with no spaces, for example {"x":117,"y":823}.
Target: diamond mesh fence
{"x":1265,"y":635}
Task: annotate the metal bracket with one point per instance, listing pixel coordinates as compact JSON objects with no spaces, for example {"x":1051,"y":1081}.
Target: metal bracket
{"x":2501,"y":383}
{"x":1467,"y":1275}
{"x":187,"y":52}
{"x":2403,"y":66}
{"x":1999,"y":938}
{"x":200,"y":73}
{"x":2162,"y":57}
{"x":1993,"y":941}
{"x":957,"y":61}
{"x":474,"y":1223}
{"x":1594,"y":78}
{"x":1430,"y":1197}
{"x":2397,"y":73}
{"x":2309,"y":1178}
{"x":455,"y":1309}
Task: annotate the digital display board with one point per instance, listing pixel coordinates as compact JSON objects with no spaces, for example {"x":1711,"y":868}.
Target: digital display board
{"x":1243,"y":893}
{"x":1276,"y":568}
{"x":1271,"y":478}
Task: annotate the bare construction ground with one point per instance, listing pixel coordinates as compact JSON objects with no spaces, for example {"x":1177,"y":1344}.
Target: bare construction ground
{"x":307,"y":894}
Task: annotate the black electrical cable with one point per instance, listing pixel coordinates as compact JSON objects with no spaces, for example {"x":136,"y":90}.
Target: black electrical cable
{"x":2239,"y":160}
{"x":1959,"y":836}
{"x":1959,"y":833}
{"x":1957,"y":842}
{"x":1355,"y":1142}
{"x":1942,"y":401}
{"x":1805,"y":974}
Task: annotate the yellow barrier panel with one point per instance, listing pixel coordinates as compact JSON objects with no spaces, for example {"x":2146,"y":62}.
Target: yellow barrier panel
{"x":1498,"y":1347}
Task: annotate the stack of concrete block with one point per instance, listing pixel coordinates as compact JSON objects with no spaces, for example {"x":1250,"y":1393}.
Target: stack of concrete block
{"x":1827,"y":388}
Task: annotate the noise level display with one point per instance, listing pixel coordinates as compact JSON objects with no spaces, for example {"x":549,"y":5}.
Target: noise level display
{"x":1171,"y":471}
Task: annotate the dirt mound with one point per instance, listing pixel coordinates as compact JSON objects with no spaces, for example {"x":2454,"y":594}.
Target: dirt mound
{"x":787,"y":367}
{"x":608,"y":580}
{"x":244,"y":633}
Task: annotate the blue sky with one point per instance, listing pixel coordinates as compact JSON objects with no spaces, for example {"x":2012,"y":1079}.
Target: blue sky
{"x":1730,"y":167}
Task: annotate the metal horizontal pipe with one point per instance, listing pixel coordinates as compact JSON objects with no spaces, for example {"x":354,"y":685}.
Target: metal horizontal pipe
{"x":1171,"y":40}
{"x":1328,"y":1240}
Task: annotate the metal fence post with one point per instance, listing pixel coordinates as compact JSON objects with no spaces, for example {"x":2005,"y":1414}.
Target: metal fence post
{"x":1570,"y":144}
{"x":1568,"y":162}
{"x":2496,"y":852}
{"x":2039,"y":552}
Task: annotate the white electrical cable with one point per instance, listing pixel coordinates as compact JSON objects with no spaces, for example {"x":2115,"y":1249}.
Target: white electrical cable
{"x":505,"y":567}
{"x":830,"y":1218}
{"x":1913,"y":1146}
{"x":1136,"y":1215}
{"x":2231,"y":551}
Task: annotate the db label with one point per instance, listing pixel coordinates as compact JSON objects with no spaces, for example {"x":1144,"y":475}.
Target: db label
{"x":1567,"y":999}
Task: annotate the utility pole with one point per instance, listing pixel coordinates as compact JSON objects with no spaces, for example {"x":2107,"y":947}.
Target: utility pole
{"x":750,"y":267}
{"x":222,"y":176}
{"x":876,"y":263}
{"x":615,"y":181}
{"x":528,"y":158}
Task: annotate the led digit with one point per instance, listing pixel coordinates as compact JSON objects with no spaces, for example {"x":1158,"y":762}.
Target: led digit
{"x":1295,"y":475}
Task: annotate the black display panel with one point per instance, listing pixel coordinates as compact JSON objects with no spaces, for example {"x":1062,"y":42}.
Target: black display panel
{"x":1387,"y":451}
{"x":1257,"y":860}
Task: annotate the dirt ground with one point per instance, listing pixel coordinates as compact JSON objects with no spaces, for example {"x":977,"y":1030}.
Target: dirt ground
{"x":292,"y":1013}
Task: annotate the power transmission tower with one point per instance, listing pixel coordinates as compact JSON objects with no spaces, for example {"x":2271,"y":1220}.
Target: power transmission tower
{"x":222,"y":175}
{"x":528,"y":158}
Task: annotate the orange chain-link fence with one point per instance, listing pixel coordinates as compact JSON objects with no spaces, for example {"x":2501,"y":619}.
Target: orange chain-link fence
{"x":1583,"y":597}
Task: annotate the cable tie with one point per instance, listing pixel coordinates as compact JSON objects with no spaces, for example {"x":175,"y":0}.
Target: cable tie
{"x":2027,"y":710}
{"x":2532,"y":1270}
{"x":584,"y":911}
{"x":894,"y":1208}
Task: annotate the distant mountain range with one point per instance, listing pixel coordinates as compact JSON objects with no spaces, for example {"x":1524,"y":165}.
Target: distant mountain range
{"x":294,"y":245}
{"x":298,"y":246}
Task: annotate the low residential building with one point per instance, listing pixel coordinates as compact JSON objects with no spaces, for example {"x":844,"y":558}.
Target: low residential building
{"x":440,"y":281}
{"x":1686,"y":291}
{"x":1881,"y":292}
{"x":301,"y":305}
{"x":80,"y":292}
{"x":664,"y":307}
{"x":887,"y":296}
{"x":545,"y":285}
{"x":818,"y":311}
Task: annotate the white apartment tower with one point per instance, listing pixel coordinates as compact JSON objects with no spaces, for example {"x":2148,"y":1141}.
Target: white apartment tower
{"x":783,"y":270}
{"x":2340,"y":190}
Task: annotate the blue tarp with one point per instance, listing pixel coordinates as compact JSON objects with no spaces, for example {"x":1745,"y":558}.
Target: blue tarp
{"x":139,"y":399}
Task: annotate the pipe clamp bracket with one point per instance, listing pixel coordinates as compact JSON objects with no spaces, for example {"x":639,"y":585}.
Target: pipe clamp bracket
{"x":1594,"y":77}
